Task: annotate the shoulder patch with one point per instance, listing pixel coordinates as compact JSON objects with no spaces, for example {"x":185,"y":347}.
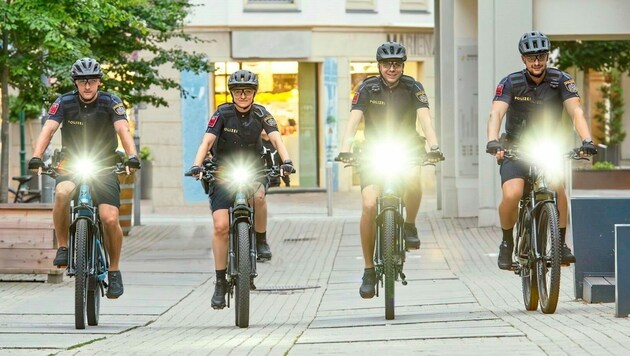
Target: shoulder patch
{"x":499,"y":90}
{"x":355,"y":98}
{"x":119,"y":109}
{"x":422,"y":96}
{"x":269,"y":120}
{"x":570,"y":85}
{"x":213,"y":120}
{"x":53,"y":109}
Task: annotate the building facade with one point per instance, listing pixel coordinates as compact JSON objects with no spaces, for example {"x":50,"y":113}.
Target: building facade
{"x":309,"y":56}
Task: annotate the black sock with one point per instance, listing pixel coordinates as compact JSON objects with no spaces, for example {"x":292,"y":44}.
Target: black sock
{"x":261,"y":236}
{"x":371,"y":269}
{"x":410,"y":224}
{"x":563,"y":234}
{"x":221,"y":273}
{"x":508,"y":236}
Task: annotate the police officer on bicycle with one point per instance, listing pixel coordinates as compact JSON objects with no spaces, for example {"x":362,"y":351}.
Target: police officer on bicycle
{"x":235,"y":129}
{"x":90,"y":120}
{"x":391,"y":104}
{"x":529,"y":98}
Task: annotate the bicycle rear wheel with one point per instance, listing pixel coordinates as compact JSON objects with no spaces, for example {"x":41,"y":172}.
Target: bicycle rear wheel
{"x":241,"y":295}
{"x":548,"y":267}
{"x":81,"y":273}
{"x":389,"y":261}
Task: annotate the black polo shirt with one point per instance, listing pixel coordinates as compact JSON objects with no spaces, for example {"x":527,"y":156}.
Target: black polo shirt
{"x":239,"y":133}
{"x":390,"y":111}
{"x":87,"y":130}
{"x":530,"y":103}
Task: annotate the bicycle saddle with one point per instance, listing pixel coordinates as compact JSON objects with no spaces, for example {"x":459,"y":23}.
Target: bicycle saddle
{"x":23,"y":179}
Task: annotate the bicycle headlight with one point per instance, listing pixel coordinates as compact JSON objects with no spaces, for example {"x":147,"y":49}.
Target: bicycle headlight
{"x":84,"y":168}
{"x":389,"y":158}
{"x":548,"y":155}
{"x":240,"y":175}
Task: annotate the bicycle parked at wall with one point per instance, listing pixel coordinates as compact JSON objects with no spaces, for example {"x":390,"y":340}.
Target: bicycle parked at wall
{"x":241,"y":267}
{"x":23,"y":194}
{"x":388,"y":162}
{"x":538,"y":245}
{"x":88,"y":261}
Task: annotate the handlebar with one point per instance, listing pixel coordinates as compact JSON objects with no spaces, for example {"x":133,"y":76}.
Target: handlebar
{"x":356,"y":161}
{"x":54,"y":172}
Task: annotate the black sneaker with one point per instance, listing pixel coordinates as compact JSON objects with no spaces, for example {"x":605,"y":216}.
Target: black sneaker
{"x":61,"y":258}
{"x":220,"y":289}
{"x":411,"y":237}
{"x":115,"y":286}
{"x":367,"y":289}
{"x":263,"y":252}
{"x":567,"y":255}
{"x":505,"y":255}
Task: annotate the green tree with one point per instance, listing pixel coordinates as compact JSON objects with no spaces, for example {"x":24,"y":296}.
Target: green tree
{"x":601,"y":56}
{"x":40,"y":40}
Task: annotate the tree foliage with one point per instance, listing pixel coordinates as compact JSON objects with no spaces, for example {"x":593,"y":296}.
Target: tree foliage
{"x":593,"y":55}
{"x":609,"y":115}
{"x":40,"y":39}
{"x":48,"y":36}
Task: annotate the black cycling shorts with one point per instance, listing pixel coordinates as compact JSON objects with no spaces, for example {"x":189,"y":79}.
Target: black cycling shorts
{"x":222,"y":197}
{"x":513,"y":169}
{"x":105,"y":188}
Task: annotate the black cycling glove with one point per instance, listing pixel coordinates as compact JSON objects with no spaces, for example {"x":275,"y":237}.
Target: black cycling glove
{"x":133,"y":162}
{"x":35,"y":163}
{"x":344,"y":157}
{"x":435,"y":155}
{"x":195,"y":170}
{"x":588,"y":147}
{"x":287,"y":166}
{"x":493,"y":147}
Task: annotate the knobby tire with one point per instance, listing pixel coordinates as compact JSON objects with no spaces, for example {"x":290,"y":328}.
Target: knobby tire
{"x":389,"y":260}
{"x":81,"y":273}
{"x":244,"y":274}
{"x":548,"y":268}
{"x":94,"y":292}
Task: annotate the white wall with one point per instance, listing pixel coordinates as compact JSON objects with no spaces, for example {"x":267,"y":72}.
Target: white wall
{"x":221,"y":13}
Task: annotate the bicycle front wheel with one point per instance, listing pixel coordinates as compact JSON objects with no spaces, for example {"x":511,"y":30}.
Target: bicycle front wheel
{"x":81,"y":273}
{"x":548,"y":267}
{"x":389,"y":261}
{"x":241,"y":295}
{"x":94,"y":287}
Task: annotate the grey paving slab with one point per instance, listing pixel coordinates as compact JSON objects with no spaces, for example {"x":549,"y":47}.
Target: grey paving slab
{"x":453,"y":346}
{"x":416,"y":331}
{"x":44,"y":341}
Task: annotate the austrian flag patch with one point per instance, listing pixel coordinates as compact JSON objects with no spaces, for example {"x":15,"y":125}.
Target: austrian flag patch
{"x":499,"y":90}
{"x":213,"y":120}
{"x":355,"y":99}
{"x":53,"y":109}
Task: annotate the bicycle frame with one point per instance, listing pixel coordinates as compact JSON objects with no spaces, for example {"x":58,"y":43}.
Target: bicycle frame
{"x":82,"y":207}
{"x":389,"y":199}
{"x":535,"y":194}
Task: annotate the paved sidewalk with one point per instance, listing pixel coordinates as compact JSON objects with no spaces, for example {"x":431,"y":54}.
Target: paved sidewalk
{"x":457,"y":300}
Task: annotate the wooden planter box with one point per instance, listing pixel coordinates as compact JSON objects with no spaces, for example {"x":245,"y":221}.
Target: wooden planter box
{"x":601,"y":179}
{"x":27,"y":240}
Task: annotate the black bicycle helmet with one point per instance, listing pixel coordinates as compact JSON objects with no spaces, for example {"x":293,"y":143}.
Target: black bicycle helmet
{"x":534,"y":42}
{"x":391,"y":50}
{"x":86,"y":68}
{"x":243,"y":79}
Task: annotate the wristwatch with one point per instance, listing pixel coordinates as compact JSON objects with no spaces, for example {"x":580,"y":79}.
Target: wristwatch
{"x":435,"y":147}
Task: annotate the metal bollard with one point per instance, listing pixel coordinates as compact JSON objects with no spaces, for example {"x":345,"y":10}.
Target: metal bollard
{"x":329,"y":186}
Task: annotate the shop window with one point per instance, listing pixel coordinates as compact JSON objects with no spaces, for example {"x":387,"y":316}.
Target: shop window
{"x":360,"y":5}
{"x":414,"y":6}
{"x":271,"y":5}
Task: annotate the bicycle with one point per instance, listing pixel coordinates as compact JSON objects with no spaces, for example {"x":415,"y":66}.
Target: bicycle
{"x":242,"y":255}
{"x":88,"y":260}
{"x":389,"y":247}
{"x":538,"y":253}
{"x":23,"y":194}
